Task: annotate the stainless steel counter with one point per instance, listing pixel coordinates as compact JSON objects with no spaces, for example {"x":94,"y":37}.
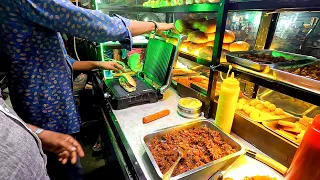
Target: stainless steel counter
{"x":130,"y":122}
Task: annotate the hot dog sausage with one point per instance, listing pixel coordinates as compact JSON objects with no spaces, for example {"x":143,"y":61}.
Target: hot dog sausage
{"x":155,"y":116}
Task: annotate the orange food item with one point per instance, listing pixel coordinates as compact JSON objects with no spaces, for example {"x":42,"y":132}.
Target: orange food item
{"x":155,"y":116}
{"x":259,"y":178}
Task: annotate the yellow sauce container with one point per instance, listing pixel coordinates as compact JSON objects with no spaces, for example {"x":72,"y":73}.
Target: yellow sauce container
{"x":189,"y":108}
{"x":227,"y":103}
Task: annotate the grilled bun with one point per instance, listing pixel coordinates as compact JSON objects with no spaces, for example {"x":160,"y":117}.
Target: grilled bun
{"x":126,"y":85}
{"x":198,"y":37}
{"x":130,"y":80}
{"x":239,"y":46}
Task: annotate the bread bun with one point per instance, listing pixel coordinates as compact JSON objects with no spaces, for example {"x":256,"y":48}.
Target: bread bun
{"x":195,"y":24}
{"x":127,"y":82}
{"x":229,"y":37}
{"x":208,"y":26}
{"x":174,"y":2}
{"x":239,"y":46}
{"x":187,"y":32}
{"x":181,"y":2}
{"x":226,"y":46}
{"x":181,"y":25}
{"x":206,"y":53}
{"x":183,"y":46}
{"x":173,"y":41}
{"x":210,"y":43}
{"x":189,"y":2}
{"x":193,"y":47}
{"x":198,"y":37}
{"x":211,"y":36}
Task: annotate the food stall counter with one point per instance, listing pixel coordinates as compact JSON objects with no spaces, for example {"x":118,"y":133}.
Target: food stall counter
{"x":129,"y":126}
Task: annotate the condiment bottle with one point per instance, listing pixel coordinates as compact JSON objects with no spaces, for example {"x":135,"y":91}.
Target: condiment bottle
{"x":227,"y":102}
{"x":306,"y":162}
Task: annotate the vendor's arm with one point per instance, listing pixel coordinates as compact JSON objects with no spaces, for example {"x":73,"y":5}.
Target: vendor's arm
{"x":63,"y":16}
{"x":90,"y":65}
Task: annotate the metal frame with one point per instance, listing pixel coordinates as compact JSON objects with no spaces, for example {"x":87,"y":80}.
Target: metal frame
{"x":282,"y":87}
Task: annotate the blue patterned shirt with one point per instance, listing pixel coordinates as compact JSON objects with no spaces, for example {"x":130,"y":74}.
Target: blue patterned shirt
{"x":39,"y":73}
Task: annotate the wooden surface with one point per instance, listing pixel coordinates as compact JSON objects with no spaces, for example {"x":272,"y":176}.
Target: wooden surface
{"x":268,"y":142}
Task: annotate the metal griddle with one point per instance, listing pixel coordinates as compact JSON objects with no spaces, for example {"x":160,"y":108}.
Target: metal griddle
{"x":152,"y":81}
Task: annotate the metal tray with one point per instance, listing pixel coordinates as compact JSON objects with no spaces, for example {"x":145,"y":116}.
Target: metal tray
{"x":202,"y":172}
{"x":234,"y":58}
{"x":273,"y":125}
{"x":308,"y":83}
{"x":289,"y":104}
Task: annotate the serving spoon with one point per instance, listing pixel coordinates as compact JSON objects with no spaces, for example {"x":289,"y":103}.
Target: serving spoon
{"x":168,"y":174}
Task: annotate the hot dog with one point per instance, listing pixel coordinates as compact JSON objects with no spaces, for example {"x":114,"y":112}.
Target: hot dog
{"x":155,"y":116}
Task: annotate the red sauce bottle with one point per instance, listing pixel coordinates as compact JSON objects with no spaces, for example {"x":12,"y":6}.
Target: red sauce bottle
{"x":306,"y":161}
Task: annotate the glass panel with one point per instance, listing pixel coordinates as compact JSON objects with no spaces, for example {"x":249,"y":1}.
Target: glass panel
{"x":245,"y":24}
{"x":298,"y":32}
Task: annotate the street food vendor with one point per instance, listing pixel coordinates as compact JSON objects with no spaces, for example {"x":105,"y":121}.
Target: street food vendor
{"x":39,"y":74}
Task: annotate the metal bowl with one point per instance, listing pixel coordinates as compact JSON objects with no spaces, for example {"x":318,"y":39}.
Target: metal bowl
{"x":187,"y":111}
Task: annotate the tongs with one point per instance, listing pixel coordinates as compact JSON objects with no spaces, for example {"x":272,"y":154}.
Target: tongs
{"x":264,"y":159}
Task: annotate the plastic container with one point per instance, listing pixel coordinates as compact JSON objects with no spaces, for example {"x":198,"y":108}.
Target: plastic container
{"x":227,"y":102}
{"x":306,"y":161}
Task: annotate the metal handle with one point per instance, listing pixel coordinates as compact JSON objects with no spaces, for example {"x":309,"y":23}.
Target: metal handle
{"x":272,"y":163}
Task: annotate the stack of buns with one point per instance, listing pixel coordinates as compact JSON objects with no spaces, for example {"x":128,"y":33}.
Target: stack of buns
{"x":201,"y":36}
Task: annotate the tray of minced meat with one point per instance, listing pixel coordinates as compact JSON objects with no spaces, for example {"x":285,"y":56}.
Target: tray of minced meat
{"x":207,"y":149}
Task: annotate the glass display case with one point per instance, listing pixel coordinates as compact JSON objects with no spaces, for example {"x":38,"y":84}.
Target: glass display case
{"x":298,"y":32}
{"x":275,"y":92}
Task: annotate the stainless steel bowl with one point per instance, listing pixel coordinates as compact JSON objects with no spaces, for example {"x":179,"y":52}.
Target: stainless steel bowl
{"x":189,"y":113}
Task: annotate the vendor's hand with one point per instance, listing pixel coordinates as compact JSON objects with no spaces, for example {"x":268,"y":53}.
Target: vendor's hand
{"x":165,"y":26}
{"x":111,"y":66}
{"x":61,"y":144}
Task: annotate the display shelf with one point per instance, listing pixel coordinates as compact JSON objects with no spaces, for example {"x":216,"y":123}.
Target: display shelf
{"x":195,"y":59}
{"x":122,"y":8}
{"x":271,"y":5}
{"x":268,"y":81}
{"x":194,"y":8}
